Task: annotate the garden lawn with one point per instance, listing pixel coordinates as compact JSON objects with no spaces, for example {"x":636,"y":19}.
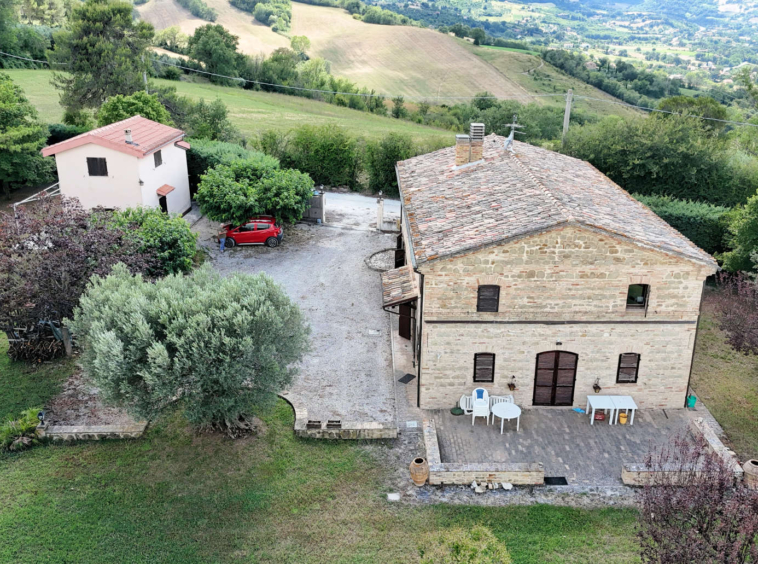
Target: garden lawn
{"x":250,"y":111}
{"x":727,"y":382}
{"x":23,"y":386}
{"x":178,"y":497}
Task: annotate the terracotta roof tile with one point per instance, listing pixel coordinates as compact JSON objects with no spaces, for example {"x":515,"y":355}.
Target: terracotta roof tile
{"x":147,"y":136}
{"x":508,"y":194}
{"x":164,"y":190}
{"x":399,"y":286}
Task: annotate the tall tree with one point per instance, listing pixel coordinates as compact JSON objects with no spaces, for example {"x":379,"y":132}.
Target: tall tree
{"x":217,"y":49}
{"x":121,"y":107}
{"x":21,"y":138}
{"x":104,"y":52}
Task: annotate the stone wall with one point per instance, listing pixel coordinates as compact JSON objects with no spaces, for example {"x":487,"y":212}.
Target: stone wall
{"x":91,"y":432}
{"x":561,"y":290}
{"x":520,"y":474}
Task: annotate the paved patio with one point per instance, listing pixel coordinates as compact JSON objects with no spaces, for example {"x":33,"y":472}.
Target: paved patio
{"x":563,"y":440}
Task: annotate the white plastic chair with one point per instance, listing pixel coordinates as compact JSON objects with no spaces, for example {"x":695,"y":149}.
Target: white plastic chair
{"x":465,"y":404}
{"x":480,"y":405}
{"x":500,"y":399}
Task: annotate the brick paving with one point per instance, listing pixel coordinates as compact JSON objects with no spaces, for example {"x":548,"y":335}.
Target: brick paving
{"x":563,"y":440}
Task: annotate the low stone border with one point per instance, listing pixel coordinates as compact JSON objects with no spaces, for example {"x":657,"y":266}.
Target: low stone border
{"x":349,"y":430}
{"x":639,"y":474}
{"x":91,"y":432}
{"x":516,"y":473}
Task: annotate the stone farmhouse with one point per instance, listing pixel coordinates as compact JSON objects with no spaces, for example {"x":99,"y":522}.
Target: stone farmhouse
{"x":530,"y":273}
{"x":130,"y":163}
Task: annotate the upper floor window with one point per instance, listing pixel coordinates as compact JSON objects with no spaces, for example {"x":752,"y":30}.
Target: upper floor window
{"x":629,"y":366}
{"x":158,"y":158}
{"x":636,"y":297}
{"x":97,"y":166}
{"x":488,"y":298}
{"x":484,"y":367}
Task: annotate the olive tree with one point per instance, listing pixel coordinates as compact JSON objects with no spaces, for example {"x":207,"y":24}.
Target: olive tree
{"x":220,"y":346}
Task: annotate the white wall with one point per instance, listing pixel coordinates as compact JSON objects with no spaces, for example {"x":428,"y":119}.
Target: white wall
{"x":173,"y":172}
{"x":120,"y":189}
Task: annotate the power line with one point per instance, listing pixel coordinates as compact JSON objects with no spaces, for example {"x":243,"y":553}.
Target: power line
{"x":668,"y":111}
{"x":388,"y":96}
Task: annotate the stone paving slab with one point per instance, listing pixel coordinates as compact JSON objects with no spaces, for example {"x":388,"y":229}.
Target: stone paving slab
{"x":563,"y":440}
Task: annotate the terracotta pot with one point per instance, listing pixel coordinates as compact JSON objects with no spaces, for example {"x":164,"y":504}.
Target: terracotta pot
{"x":751,"y":474}
{"x":419,"y":471}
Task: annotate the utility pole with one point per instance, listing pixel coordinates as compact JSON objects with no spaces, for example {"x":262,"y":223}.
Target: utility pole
{"x":567,"y":114}
{"x":144,"y":73}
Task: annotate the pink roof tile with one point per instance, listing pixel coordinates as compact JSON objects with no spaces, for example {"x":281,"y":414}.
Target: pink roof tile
{"x":147,"y":136}
{"x":452,"y":210}
{"x":164,"y":190}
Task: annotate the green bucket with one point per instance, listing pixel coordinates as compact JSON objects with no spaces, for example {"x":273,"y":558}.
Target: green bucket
{"x":691,"y":401}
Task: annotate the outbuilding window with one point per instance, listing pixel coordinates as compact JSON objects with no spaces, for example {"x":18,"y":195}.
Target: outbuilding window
{"x":158,"y":159}
{"x":488,"y":298}
{"x":97,"y":166}
{"x":484,"y":367}
{"x":629,"y":366}
{"x":636,"y":296}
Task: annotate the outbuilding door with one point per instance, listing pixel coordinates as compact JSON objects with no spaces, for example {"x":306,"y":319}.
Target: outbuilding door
{"x":406,"y":315}
{"x":554,"y":379}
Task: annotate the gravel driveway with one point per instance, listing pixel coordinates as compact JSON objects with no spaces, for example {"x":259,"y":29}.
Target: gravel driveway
{"x":348,"y":373}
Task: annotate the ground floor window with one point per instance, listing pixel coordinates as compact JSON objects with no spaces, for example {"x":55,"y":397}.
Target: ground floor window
{"x":484,"y":367}
{"x":629,"y":366}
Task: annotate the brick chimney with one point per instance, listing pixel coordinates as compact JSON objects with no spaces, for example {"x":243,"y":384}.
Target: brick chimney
{"x":476,"y":134}
{"x":462,"y":149}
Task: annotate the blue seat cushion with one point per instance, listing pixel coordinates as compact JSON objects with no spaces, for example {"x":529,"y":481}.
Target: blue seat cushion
{"x":479,"y":393}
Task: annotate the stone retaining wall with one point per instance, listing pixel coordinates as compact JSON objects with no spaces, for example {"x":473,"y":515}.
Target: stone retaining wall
{"x":349,"y":430}
{"x":520,"y":474}
{"x":91,"y":432}
{"x":638,"y":474}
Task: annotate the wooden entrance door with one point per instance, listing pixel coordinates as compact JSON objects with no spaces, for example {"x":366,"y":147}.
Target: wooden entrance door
{"x":405,"y":321}
{"x":163,"y":204}
{"x":554,"y":379}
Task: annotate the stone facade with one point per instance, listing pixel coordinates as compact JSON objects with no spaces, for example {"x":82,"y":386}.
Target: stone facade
{"x":564,"y":289}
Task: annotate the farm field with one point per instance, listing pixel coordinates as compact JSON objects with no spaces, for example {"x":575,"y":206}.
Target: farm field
{"x":252,"y":112}
{"x":390,"y":59}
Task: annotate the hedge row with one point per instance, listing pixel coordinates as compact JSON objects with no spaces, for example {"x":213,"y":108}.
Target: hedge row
{"x":206,"y":154}
{"x":703,"y":224}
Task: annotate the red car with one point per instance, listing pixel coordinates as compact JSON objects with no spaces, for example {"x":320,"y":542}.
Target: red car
{"x":260,"y":230}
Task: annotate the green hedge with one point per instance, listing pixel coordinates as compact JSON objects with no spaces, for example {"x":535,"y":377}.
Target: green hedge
{"x":703,"y":224}
{"x":206,"y":154}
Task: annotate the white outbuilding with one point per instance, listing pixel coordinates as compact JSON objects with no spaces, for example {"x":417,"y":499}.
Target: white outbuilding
{"x":130,"y":163}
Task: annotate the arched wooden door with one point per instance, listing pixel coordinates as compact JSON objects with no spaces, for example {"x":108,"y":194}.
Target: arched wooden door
{"x":554,"y":378}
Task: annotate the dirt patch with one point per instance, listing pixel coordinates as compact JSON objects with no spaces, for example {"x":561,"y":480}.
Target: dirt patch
{"x":80,"y":404}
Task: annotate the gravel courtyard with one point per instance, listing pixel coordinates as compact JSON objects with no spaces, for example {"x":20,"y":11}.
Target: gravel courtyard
{"x":348,"y":373}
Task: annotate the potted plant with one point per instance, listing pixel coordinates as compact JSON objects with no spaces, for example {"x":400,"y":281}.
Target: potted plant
{"x":512,"y":383}
{"x":596,"y":386}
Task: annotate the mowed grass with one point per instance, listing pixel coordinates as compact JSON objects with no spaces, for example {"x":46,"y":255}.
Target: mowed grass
{"x":727,"y":382}
{"x":23,"y":386}
{"x":252,"y":112}
{"x":174,"y":496}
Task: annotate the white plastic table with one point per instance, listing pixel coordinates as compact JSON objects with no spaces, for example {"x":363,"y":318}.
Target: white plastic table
{"x":626,"y":403}
{"x":506,"y":410}
{"x":602,"y":403}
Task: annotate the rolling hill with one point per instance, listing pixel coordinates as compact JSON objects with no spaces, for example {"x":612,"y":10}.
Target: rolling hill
{"x":390,"y":59}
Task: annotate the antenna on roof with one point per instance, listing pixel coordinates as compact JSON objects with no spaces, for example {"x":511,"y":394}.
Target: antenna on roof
{"x":513,"y":126}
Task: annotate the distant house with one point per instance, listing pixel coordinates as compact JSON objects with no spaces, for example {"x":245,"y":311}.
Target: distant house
{"x":517,"y":265}
{"x":591,"y":65}
{"x":130,"y":163}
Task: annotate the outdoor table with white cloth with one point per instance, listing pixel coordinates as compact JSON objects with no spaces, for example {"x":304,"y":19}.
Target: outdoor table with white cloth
{"x":506,"y":410}
{"x":614,"y":404}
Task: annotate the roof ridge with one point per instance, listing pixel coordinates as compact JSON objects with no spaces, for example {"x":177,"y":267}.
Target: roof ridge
{"x":564,"y":211}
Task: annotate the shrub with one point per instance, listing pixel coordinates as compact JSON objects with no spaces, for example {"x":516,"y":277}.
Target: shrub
{"x":703,"y":224}
{"x":21,"y":433}
{"x":219,"y":345}
{"x":458,"y":546}
{"x":117,"y":108}
{"x":200,"y":9}
{"x":58,"y":132}
{"x":743,"y":237}
{"x":242,"y":189}
{"x":206,"y":154}
{"x":167,"y":238}
{"x":737,"y":305}
{"x":381,"y":157}
{"x":327,"y":153}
